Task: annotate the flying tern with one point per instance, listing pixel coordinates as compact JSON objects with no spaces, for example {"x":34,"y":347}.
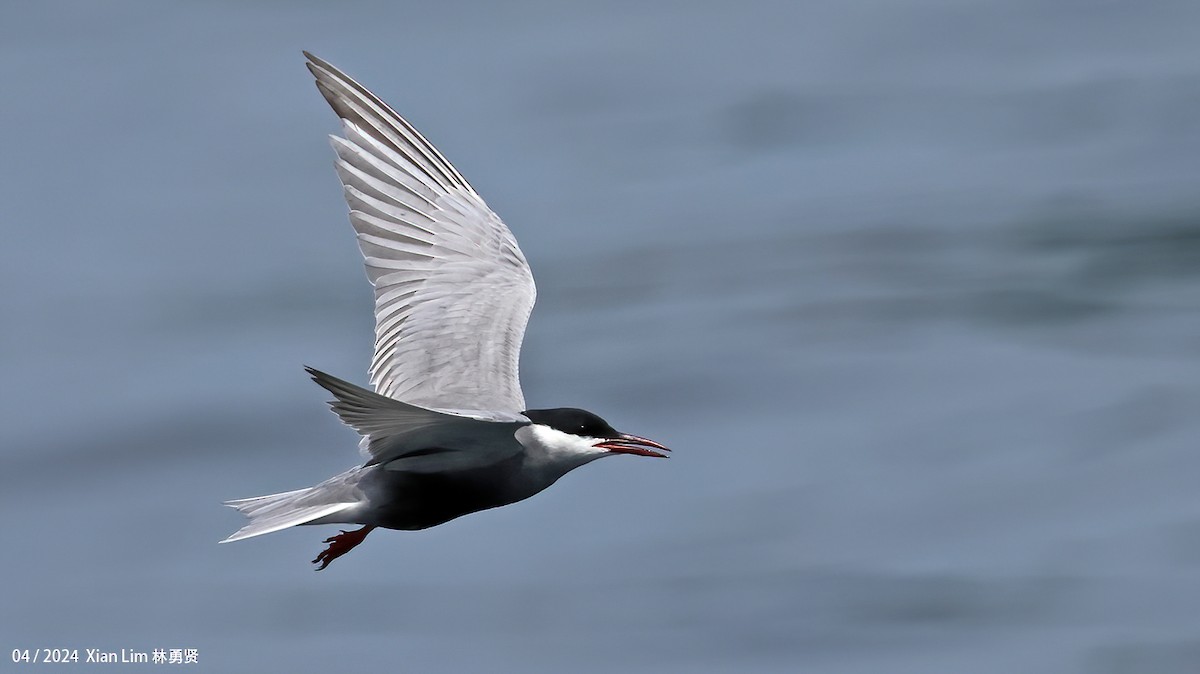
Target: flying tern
{"x":445,"y":432}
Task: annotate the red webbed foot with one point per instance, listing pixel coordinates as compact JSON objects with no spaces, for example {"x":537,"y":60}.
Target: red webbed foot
{"x":340,"y":545}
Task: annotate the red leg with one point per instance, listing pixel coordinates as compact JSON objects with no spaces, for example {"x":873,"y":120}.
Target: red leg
{"x":340,"y":545}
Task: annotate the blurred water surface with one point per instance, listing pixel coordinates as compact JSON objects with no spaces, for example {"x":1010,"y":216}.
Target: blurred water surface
{"x":912,"y":288}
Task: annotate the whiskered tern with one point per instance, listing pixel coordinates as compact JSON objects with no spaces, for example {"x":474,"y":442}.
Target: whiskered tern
{"x":445,"y":432}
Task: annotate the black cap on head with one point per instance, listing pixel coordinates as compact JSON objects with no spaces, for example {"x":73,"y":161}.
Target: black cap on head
{"x":574,"y":421}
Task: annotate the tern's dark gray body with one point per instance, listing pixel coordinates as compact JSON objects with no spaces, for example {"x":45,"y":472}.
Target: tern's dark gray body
{"x":422,"y":501}
{"x":445,"y":430}
{"x":410,"y":501}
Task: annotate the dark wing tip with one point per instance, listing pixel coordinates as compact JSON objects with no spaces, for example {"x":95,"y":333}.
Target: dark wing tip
{"x":314,"y":60}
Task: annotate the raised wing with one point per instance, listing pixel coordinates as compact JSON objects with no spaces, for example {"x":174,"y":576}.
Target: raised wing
{"x":453,"y":291}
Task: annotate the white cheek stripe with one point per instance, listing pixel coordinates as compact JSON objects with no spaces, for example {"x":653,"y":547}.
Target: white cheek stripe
{"x":556,"y":446}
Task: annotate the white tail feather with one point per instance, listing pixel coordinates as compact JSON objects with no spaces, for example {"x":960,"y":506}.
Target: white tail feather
{"x":279,"y":511}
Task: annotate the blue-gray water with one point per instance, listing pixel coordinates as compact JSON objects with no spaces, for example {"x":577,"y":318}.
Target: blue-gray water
{"x":912,"y":288}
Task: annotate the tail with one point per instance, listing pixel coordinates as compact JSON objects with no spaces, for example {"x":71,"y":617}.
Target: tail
{"x":280,"y":511}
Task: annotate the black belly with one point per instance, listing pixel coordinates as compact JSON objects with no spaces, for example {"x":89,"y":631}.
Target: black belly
{"x":412,"y":501}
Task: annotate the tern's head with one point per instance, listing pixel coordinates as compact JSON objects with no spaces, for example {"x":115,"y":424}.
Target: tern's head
{"x":579,"y":433}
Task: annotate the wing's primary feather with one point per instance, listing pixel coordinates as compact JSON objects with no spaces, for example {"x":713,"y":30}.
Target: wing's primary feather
{"x":453,"y":291}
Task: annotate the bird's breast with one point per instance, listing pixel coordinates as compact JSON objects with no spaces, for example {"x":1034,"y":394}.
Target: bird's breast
{"x":419,"y":500}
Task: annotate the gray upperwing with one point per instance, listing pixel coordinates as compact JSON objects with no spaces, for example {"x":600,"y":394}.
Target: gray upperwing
{"x":396,"y":430}
{"x":453,"y":290}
